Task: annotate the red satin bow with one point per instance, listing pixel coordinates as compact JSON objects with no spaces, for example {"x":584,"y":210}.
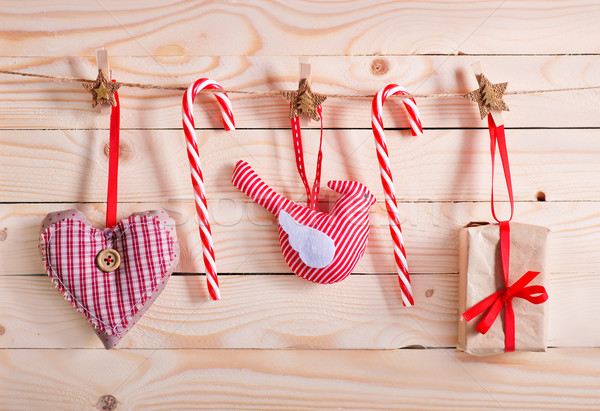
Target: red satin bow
{"x":535,"y":294}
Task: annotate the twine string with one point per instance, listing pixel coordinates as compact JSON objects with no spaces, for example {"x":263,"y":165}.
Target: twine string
{"x":60,"y":79}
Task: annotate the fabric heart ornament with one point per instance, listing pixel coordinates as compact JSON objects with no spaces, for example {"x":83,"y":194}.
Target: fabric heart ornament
{"x":146,"y":251}
{"x":111,"y":276}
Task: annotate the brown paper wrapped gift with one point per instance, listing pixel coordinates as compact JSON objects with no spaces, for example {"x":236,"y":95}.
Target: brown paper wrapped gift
{"x":480,"y":275}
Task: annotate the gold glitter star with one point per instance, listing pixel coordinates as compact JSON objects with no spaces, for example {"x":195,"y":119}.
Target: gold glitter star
{"x":488,"y":96}
{"x":102,"y":90}
{"x":304,"y":101}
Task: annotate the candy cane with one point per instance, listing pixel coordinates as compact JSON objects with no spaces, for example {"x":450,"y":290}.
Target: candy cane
{"x":388,"y":181}
{"x":196,"y":169}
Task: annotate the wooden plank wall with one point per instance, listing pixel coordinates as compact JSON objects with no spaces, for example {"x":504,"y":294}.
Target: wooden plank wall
{"x":275,"y":341}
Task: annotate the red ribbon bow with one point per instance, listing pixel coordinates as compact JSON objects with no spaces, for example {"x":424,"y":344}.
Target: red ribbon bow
{"x":493,"y":304}
{"x":535,"y":294}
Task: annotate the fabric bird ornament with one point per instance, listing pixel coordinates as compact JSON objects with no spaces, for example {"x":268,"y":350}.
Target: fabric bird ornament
{"x":320,"y":247}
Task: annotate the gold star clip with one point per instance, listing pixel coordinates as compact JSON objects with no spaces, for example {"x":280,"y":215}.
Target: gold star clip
{"x":102,"y":90}
{"x":488,"y":96}
{"x":304,"y":101}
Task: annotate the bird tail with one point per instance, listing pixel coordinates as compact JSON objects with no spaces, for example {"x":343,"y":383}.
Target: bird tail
{"x":246,"y":180}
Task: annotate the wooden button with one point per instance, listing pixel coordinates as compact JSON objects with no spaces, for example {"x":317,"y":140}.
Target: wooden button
{"x":108,"y":260}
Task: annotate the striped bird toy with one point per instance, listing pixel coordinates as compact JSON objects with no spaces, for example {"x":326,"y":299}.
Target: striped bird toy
{"x":320,"y":247}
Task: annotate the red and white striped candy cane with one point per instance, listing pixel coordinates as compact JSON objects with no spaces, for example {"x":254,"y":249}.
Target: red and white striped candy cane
{"x":196,"y":169}
{"x":388,"y":181}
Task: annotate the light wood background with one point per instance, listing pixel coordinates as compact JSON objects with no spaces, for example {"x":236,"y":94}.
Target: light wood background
{"x":276,"y":341}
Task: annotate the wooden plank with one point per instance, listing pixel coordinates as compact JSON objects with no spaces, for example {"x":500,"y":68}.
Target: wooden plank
{"x":268,"y":27}
{"x":442,"y":165}
{"x":273,"y":311}
{"x":430,"y":231}
{"x":33,"y":103}
{"x":283,"y":311}
{"x":318,"y":347}
{"x":292,"y":380}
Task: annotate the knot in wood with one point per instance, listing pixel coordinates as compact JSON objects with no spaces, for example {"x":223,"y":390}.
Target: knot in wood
{"x":379,"y":66}
{"x":124,"y":150}
{"x":540,"y":196}
{"x":107,"y":403}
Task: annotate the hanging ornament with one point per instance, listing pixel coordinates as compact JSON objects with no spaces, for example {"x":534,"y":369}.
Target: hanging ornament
{"x":320,"y":247}
{"x":111,"y":276}
{"x":196,"y":171}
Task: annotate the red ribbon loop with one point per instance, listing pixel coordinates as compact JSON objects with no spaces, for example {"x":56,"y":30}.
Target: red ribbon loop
{"x":311,"y":195}
{"x":498,"y":137}
{"x":113,"y":164}
{"x":535,"y":294}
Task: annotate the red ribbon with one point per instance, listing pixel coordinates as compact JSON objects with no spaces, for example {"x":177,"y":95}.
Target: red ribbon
{"x":113,"y":165}
{"x":493,"y":304}
{"x":535,"y":294}
{"x":312,"y":195}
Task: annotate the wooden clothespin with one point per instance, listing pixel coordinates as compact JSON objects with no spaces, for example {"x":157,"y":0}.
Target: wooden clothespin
{"x":303,"y":100}
{"x":103,"y":67}
{"x":102,"y":62}
{"x":103,"y":89}
{"x":305,"y":71}
{"x":488,"y":95}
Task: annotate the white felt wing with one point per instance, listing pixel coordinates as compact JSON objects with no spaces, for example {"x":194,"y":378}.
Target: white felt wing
{"x":315,"y":248}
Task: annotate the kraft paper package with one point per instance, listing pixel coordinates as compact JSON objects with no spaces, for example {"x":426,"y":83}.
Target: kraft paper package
{"x":502,"y":267}
{"x":480,"y":275}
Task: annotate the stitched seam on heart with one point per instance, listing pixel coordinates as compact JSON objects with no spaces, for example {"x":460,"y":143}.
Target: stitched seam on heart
{"x":78,"y":305}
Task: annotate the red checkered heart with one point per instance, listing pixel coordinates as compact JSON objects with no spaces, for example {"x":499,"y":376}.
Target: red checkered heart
{"x":112,"y":301}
